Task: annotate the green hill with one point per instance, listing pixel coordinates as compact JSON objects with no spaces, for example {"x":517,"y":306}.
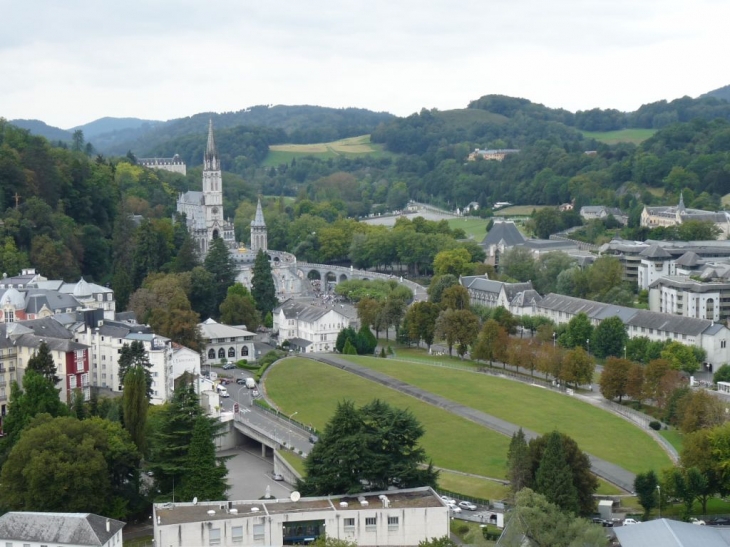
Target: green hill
{"x":42,"y":129}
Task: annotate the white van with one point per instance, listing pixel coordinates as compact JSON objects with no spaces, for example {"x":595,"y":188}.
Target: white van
{"x":222,"y":391}
{"x":250,"y":383}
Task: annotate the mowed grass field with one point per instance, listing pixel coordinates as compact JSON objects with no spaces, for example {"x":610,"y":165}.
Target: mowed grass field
{"x":623,"y":135}
{"x":595,"y":430}
{"x":473,"y":226}
{"x":313,"y":390}
{"x":518,"y":210}
{"x":354,"y":146}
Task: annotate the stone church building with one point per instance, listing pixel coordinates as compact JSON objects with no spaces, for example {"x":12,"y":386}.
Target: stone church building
{"x":204,"y":210}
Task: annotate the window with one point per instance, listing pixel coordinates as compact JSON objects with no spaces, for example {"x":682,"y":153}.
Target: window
{"x":231,"y":352}
{"x":392,"y":524}
{"x":211,"y":354}
{"x":221,"y":353}
{"x":9,"y":316}
{"x":723,"y":343}
{"x":349,"y":524}
{"x":237,"y":534}
{"x":72,"y":382}
{"x":215,"y":536}
{"x":244,"y":351}
{"x":370,"y":523}
{"x":259,"y":532}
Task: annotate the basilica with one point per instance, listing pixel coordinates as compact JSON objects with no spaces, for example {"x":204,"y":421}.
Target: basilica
{"x":204,"y":210}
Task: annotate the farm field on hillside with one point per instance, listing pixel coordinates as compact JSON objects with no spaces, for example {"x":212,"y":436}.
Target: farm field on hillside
{"x":595,"y":430}
{"x":354,"y":146}
{"x":473,"y":226}
{"x":518,"y":210}
{"x":635,"y":136}
{"x":313,"y":390}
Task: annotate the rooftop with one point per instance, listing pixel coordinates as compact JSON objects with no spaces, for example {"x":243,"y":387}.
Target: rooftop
{"x":180,"y":513}
{"x":672,"y":533}
{"x":55,"y":528}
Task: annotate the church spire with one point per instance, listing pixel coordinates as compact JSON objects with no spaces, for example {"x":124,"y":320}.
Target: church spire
{"x":258,"y":219}
{"x":210,"y":158}
{"x":210,"y":150}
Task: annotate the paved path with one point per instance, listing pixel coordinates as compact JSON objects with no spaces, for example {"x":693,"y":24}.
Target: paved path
{"x":606,"y":470}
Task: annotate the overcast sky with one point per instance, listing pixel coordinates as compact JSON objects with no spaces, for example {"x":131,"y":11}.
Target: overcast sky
{"x":72,"y":61}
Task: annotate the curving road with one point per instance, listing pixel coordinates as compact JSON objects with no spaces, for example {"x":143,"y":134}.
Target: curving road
{"x":606,"y":470}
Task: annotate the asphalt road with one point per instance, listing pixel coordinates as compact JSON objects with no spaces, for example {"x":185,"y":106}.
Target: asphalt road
{"x":249,"y":475}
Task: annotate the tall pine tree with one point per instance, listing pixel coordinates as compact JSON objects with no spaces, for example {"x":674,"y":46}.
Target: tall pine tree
{"x":136,"y":402}
{"x":206,"y":476}
{"x":135,"y":355}
{"x":519,"y":463}
{"x":220,"y":265}
{"x":262,"y":284}
{"x":554,"y":479}
{"x":42,"y":363}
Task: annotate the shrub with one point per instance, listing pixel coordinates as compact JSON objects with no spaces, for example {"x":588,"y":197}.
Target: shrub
{"x":656,"y":426}
{"x":382,"y":353}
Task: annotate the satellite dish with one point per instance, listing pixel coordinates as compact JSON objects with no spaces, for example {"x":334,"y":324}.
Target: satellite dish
{"x":295,"y":496}
{"x":195,"y":500}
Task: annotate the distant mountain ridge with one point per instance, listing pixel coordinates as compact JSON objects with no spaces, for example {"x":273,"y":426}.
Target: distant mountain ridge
{"x":719,"y":93}
{"x":109,"y":125}
{"x":38,"y":127}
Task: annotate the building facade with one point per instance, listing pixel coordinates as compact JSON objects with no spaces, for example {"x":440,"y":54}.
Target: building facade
{"x":665,"y":216}
{"x":308,"y":328}
{"x":396,"y":517}
{"x":225,"y":343}
{"x":174,"y":164}
{"x":204,"y":210}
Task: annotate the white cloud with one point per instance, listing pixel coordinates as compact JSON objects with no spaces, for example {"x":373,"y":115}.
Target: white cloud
{"x":72,"y":62}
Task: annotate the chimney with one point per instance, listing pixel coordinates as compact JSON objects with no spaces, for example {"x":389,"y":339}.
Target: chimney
{"x":107,"y":525}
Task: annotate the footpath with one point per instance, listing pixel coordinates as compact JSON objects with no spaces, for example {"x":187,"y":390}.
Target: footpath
{"x":612,"y":473}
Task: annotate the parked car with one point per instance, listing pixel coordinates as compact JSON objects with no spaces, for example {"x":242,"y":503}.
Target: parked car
{"x":698,"y":522}
{"x":607,"y":523}
{"x":448,"y":500}
{"x":241,"y":381}
{"x":467,"y":505}
{"x":628,"y":522}
{"x":718,"y":521}
{"x":597,"y":520}
{"x":228,"y":366}
{"x":313,"y":439}
{"x":255,"y":393}
{"x":277,"y":477}
{"x":454,"y":508}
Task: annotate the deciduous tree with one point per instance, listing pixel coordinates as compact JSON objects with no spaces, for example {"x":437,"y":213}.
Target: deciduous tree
{"x":577,"y":367}
{"x":609,"y":338}
{"x":645,"y":486}
{"x":615,"y":378}
{"x":491,"y":343}
{"x":239,"y":308}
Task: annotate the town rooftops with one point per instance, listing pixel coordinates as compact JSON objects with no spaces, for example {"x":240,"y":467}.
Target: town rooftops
{"x":37,"y":299}
{"x":192,"y":197}
{"x":684,"y":282}
{"x":503,"y":231}
{"x":180,"y":513}
{"x":655,"y":251}
{"x":672,"y":533}
{"x":483,"y":283}
{"x":58,"y":528}
{"x":669,"y":323}
{"x":690,"y":258}
{"x":47,"y":326}
{"x":304,"y":312}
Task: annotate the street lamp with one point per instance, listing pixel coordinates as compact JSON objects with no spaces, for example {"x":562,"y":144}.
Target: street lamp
{"x":659,"y":490}
{"x":624,"y":352}
{"x":555,"y":334}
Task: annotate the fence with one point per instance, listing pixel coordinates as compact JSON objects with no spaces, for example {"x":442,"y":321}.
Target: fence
{"x":642,"y":420}
{"x":285,"y":418}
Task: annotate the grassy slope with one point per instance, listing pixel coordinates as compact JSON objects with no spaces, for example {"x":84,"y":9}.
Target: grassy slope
{"x":623,"y":135}
{"x":473,"y":226}
{"x":518,"y":210}
{"x":313,"y":390}
{"x":595,"y":430}
{"x":354,"y":146}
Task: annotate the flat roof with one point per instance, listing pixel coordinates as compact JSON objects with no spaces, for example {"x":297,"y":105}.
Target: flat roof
{"x":180,"y":513}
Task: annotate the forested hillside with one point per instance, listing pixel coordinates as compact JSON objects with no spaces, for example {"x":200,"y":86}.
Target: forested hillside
{"x":42,"y":129}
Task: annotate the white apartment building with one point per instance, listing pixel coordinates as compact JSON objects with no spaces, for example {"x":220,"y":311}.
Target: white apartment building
{"x":224,"y":342}
{"x":309,"y":328}
{"x":398,"y":517}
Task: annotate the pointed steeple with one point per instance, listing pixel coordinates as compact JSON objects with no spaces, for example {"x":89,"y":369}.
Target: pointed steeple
{"x":681,"y":207}
{"x":258,"y":220}
{"x":210,"y":150}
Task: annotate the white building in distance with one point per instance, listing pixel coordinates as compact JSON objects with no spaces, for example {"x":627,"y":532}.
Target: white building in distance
{"x":396,"y":517}
{"x":225,"y":342}
{"x":308,"y":328}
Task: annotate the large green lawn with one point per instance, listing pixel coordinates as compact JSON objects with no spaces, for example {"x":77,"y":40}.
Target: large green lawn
{"x":473,"y":226}
{"x":596,"y":431}
{"x":350,"y":147}
{"x":313,"y":389}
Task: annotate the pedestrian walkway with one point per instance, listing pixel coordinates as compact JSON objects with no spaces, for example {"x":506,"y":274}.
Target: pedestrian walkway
{"x":612,"y":473}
